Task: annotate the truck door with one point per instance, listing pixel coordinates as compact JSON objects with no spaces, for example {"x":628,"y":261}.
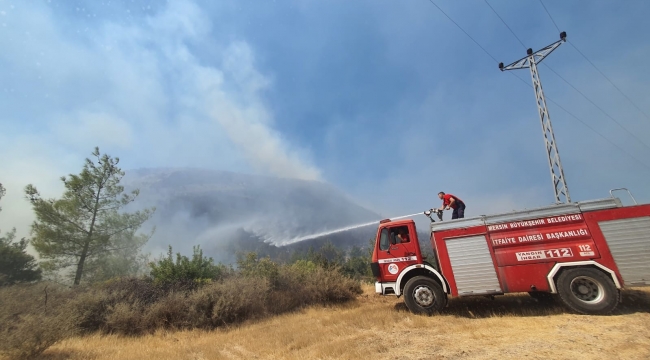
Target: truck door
{"x":397,"y":250}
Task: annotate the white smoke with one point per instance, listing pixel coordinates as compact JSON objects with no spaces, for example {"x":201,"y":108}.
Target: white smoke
{"x":249,"y":126}
{"x":230,"y":94}
{"x":147,"y":97}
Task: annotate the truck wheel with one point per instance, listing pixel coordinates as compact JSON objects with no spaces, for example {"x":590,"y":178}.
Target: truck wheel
{"x":587,"y":291}
{"x":422,"y":295}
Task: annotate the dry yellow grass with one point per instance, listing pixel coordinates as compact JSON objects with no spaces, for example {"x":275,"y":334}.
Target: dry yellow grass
{"x":374,"y":327}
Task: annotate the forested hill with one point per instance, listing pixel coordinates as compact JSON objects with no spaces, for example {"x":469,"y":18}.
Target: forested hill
{"x":226,"y":212}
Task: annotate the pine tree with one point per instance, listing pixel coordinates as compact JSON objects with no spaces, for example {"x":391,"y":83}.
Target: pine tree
{"x":16,"y":265}
{"x":86,"y":224}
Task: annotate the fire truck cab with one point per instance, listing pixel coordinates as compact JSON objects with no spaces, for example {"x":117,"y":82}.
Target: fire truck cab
{"x":584,"y":252}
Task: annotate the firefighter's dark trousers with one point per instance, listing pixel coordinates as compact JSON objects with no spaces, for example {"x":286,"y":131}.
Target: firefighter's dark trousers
{"x":459,"y":211}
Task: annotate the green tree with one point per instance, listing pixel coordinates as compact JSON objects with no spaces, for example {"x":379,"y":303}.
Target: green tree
{"x":250,"y":264}
{"x":127,"y":260}
{"x":86,"y":223}
{"x":15,"y":264}
{"x":357,"y":263}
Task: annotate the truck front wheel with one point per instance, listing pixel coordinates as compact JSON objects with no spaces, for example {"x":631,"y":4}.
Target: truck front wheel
{"x":587,"y":291}
{"x":422,"y":295}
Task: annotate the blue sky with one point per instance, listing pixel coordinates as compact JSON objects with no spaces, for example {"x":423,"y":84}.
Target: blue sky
{"x":386,"y":100}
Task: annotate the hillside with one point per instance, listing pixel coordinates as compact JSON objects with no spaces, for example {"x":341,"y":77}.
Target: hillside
{"x":226,"y":212}
{"x":374,"y":327}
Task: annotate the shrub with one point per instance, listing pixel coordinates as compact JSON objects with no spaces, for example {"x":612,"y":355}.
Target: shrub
{"x":124,"y":318}
{"x":96,"y":304}
{"x":133,"y":306}
{"x":251,"y":266}
{"x":332,"y":286}
{"x":304,"y":268}
{"x":170,"y":312}
{"x":354,"y":263}
{"x":34,"y":317}
{"x":230,"y":301}
{"x":199,"y":268}
{"x":239,"y":299}
{"x":303,"y":283}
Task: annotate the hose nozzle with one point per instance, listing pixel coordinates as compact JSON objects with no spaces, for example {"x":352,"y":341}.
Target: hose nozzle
{"x":438,"y":212}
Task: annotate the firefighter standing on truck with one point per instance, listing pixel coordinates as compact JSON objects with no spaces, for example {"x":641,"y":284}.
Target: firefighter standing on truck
{"x":453,"y":202}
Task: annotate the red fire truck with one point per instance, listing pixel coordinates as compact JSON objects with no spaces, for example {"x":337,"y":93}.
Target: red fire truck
{"x":584,"y":252}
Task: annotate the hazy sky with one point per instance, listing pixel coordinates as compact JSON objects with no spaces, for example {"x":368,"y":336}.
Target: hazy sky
{"x":387,"y":100}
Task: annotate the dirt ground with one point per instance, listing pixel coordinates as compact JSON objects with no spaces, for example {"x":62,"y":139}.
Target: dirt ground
{"x":375,"y":327}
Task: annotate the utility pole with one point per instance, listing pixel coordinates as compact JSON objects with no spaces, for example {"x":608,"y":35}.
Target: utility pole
{"x":530,"y":61}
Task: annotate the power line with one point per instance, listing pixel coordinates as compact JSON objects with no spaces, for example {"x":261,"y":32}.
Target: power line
{"x":504,"y":23}
{"x":549,"y":15}
{"x":550,"y":99}
{"x":610,"y":81}
{"x":596,"y":67}
{"x":568,"y":83}
{"x":587,"y":125}
{"x":461,"y":29}
{"x":598,"y":107}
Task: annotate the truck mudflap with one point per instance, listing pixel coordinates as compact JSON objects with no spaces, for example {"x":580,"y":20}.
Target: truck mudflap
{"x":551,"y":275}
{"x":399,"y":285}
{"x":374,"y":267}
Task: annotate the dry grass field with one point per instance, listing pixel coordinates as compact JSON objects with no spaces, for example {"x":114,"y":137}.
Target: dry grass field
{"x":374,"y":327}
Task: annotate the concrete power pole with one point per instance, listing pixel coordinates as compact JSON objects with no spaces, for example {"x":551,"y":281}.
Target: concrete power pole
{"x":530,"y":61}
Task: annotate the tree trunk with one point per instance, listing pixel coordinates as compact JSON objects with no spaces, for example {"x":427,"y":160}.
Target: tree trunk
{"x":84,"y":252}
{"x":80,"y":265}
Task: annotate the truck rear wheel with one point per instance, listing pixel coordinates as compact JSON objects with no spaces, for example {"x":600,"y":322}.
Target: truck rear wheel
{"x":587,"y":291}
{"x":422,"y":295}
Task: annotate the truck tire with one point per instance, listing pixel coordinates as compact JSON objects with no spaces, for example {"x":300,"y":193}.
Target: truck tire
{"x":422,"y":295}
{"x":587,"y":291}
